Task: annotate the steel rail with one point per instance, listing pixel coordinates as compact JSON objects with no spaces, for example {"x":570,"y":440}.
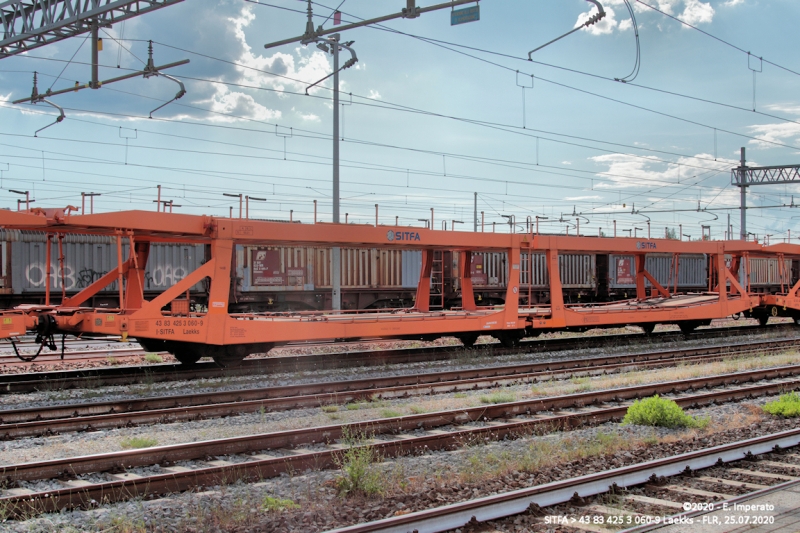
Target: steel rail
{"x":64,"y":379}
{"x":31,"y":422}
{"x":296,"y":459}
{"x":456,"y":515}
{"x":74,"y":356}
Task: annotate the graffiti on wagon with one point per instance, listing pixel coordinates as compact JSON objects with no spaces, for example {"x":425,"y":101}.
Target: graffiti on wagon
{"x":36,"y":276}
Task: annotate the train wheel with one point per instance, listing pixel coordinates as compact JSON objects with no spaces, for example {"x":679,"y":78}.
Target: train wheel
{"x":762,"y":320}
{"x":186,"y":356}
{"x":468,"y":339}
{"x":509,"y":339}
{"x":648,"y":328}
{"x":233,"y":355}
{"x":153,"y":345}
{"x":687,"y":327}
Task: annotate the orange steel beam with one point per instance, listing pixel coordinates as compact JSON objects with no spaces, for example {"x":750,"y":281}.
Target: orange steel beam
{"x":423,"y":298}
{"x":134,"y":277}
{"x":465,"y":274}
{"x":641,"y":293}
{"x":512,"y":290}
{"x":97,"y":286}
{"x":656,"y":285}
{"x":152,"y":309}
{"x":557,"y":311}
{"x":173,"y":227}
{"x":48,"y":259}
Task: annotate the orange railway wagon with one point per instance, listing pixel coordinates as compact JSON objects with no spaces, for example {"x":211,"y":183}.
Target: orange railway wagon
{"x":167,"y":322}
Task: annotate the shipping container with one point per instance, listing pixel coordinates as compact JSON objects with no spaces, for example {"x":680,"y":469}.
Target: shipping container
{"x":767,"y":272}
{"x":88,"y":257}
{"x":284,"y":268}
{"x":489,"y":270}
{"x":692,"y":271}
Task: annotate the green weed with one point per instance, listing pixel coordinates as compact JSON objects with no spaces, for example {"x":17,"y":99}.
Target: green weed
{"x":657,"y":411}
{"x":357,"y":464}
{"x":788,"y":405}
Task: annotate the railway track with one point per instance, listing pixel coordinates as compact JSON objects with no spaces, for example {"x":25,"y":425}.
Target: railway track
{"x":673,"y":481}
{"x":43,"y":421}
{"x":124,"y":375}
{"x":270,"y":454}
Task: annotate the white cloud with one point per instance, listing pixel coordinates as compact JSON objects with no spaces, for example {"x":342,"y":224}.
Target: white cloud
{"x":667,"y":6}
{"x":628,"y":171}
{"x":5,"y":97}
{"x":791,"y":109}
{"x":581,"y":198}
{"x":374,"y":94}
{"x":606,"y":25}
{"x":296,"y":74}
{"x":731,"y":3}
{"x":309,"y":117}
{"x":697,"y":12}
{"x":239,"y":104}
{"x":694,"y":12}
{"x":785,"y":132}
{"x":566,"y":162}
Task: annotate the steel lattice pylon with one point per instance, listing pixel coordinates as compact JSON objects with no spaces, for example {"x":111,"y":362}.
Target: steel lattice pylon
{"x":29,"y":24}
{"x":744,"y":177}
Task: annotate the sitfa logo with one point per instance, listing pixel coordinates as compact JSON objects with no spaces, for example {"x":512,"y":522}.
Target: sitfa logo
{"x":644,"y":245}
{"x":402,"y":236}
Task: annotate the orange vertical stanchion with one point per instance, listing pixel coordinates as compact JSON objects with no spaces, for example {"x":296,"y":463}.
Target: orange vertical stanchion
{"x":557,"y":313}
{"x":48,"y":254}
{"x":119,"y":271}
{"x":61,"y":267}
{"x":424,"y":286}
{"x":641,"y":292}
{"x":467,"y":294}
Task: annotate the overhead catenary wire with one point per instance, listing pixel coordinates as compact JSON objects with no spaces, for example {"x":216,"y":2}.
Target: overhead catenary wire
{"x":69,"y":62}
{"x":638,"y":62}
{"x":528,"y":166}
{"x":388,"y":105}
{"x":723,"y":41}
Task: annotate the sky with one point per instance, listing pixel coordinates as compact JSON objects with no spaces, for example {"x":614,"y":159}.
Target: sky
{"x":431,"y":114}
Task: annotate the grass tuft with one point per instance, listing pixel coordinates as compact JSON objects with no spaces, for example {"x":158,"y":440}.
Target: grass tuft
{"x":153,"y":358}
{"x":137,"y":442}
{"x":788,"y":405}
{"x":390,"y":413}
{"x":498,"y":397}
{"x":657,"y":411}
{"x":272,"y":505}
